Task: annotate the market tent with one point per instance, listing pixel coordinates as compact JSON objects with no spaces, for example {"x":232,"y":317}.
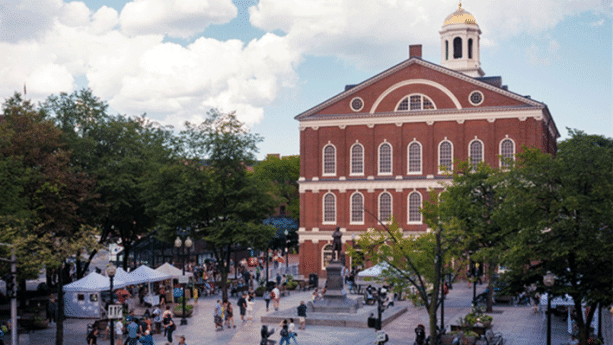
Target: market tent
{"x":83,"y":297}
{"x":373,"y":271}
{"x":124,"y":276}
{"x":171,"y":270}
{"x":566,"y":301}
{"x":144,"y":274}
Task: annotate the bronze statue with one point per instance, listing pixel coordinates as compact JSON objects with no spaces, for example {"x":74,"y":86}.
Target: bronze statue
{"x":336,"y":242}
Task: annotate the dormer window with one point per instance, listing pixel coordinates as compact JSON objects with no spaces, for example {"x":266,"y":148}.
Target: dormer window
{"x":415,"y":102}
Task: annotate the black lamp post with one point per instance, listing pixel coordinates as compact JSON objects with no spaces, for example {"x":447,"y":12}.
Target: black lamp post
{"x":186,"y":243}
{"x":110,"y":272}
{"x":286,"y":251}
{"x":549,"y":281}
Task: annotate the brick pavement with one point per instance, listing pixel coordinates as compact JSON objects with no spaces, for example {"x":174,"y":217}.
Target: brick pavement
{"x":519,"y":325}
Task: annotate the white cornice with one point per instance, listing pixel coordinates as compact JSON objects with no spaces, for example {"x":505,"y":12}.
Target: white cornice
{"x":316,"y":186}
{"x":424,"y":116}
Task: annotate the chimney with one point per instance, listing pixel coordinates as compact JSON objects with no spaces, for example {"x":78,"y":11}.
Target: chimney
{"x":415,"y":51}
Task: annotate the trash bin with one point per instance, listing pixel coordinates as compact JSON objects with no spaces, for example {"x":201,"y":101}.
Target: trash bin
{"x":313,"y":280}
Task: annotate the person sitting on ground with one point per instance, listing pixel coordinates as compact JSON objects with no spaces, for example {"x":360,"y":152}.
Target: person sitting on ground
{"x":92,"y":337}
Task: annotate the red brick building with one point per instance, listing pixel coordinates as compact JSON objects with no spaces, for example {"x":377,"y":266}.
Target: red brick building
{"x":379,"y":146}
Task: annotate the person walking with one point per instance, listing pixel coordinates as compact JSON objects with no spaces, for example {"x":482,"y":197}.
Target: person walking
{"x":132,"y":332}
{"x":118,"y":329}
{"x":182,"y":340}
{"x":217,"y":315}
{"x":284,"y":333}
{"x":249,"y":308}
{"x":276,"y":296}
{"x":230,"y":314}
{"x":157,"y":319}
{"x":291,"y":328}
{"x":170,"y":327}
{"x":242,"y":304}
{"x":267,"y":298}
{"x":302,"y":309}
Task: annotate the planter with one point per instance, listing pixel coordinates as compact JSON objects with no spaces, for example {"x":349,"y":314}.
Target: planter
{"x":447,"y":339}
{"x":259,"y":292}
{"x":179,"y":313}
{"x":40,"y":324}
{"x":291,"y":287}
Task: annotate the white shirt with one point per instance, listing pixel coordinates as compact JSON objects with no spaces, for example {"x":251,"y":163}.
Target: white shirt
{"x":291,"y":327}
{"x":277,"y":293}
{"x":118,"y":327}
{"x":157,"y":315}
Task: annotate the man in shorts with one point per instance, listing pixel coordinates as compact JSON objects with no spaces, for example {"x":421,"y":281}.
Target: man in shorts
{"x":276,"y":296}
{"x":302,"y":309}
{"x":242,"y":304}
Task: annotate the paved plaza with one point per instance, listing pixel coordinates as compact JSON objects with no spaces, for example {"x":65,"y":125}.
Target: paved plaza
{"x":518,"y":324}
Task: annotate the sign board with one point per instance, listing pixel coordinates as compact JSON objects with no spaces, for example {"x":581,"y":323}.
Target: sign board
{"x":115,"y":311}
{"x":183,"y":279}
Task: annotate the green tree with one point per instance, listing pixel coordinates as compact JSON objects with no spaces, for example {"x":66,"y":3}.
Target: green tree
{"x":51,"y":199}
{"x":559,"y":211}
{"x":211,"y":192}
{"x":414,"y":262}
{"x":468,"y":207}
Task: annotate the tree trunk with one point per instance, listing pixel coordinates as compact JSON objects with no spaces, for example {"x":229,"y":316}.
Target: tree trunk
{"x":59,"y":333}
{"x":490,"y":286}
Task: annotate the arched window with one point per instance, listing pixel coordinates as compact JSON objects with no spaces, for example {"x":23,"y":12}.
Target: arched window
{"x":414,"y":206}
{"x":329,"y":209}
{"x":445,"y":156}
{"x":415,"y":102}
{"x":385,"y":159}
{"x":475,"y":150}
{"x":457,"y":48}
{"x":329,"y":160}
{"x":446,"y":50}
{"x":507,"y":152}
{"x":357,"y":208}
{"x":414,"y":158}
{"x":470,"y":48}
{"x":357,"y":159}
{"x":326,"y":255}
{"x":385,"y":207}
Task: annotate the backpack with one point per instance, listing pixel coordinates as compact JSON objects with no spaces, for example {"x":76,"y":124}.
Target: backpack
{"x":284,"y":333}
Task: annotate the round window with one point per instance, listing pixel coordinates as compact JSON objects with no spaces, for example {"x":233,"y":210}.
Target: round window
{"x":475,"y":98}
{"x":357,"y":104}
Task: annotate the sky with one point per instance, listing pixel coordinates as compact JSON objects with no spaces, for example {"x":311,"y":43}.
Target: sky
{"x":270,"y":60}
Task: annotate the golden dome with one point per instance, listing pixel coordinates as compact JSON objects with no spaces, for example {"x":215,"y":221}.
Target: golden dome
{"x":460,"y":16}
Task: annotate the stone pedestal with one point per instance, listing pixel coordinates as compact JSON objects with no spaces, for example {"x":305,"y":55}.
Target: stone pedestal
{"x":335,"y":299}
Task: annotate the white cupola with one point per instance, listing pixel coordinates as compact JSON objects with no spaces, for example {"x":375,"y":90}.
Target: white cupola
{"x":460,"y":43}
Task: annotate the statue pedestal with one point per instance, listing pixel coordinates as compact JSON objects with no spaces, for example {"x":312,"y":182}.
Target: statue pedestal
{"x":335,"y":299}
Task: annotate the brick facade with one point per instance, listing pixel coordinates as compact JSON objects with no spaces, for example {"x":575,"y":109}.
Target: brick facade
{"x":452,"y":117}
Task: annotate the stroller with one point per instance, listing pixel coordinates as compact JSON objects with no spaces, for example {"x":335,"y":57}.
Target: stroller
{"x":265,"y":333}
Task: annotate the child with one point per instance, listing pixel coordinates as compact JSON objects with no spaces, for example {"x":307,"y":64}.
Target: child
{"x":292,"y":331}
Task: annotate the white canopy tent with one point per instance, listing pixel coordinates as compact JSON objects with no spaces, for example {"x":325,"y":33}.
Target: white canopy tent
{"x":373,"y":271}
{"x":83,"y":297}
{"x":566,"y":301}
{"x":124,"y":276}
{"x":147,"y":275}
{"x":174,"y":272}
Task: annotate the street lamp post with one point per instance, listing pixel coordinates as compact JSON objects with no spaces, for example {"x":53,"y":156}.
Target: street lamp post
{"x":185,"y":243}
{"x":549,"y":281}
{"x":110,"y":272}
{"x":286,"y":251}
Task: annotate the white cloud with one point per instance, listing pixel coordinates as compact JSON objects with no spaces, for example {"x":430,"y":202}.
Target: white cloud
{"x":376,"y":33}
{"x":26,"y":19}
{"x":182,"y":18}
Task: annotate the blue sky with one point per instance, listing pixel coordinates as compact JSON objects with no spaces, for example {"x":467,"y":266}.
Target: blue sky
{"x":272,"y":59}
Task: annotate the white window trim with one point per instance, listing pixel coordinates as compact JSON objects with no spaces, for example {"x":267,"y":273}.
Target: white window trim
{"x":391,"y":159}
{"x":482,"y":151}
{"x":323,"y":256}
{"x":323,"y":209}
{"x":323,"y":160}
{"x":351,"y":104}
{"x":500,"y":151}
{"x":385,"y":221}
{"x":351,"y":173}
{"x":439,"y":155}
{"x":421,"y":201}
{"x":471,"y":101}
{"x":408,"y":97}
{"x":351,"y":209}
{"x":421,"y":158}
